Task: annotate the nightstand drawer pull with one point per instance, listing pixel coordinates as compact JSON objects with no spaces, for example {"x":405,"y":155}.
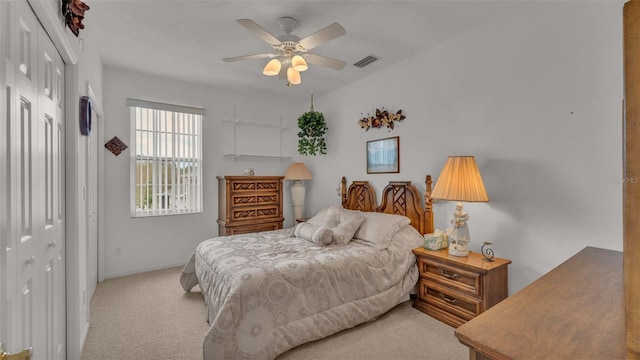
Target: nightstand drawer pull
{"x":448,"y":299}
{"x":448,"y":274}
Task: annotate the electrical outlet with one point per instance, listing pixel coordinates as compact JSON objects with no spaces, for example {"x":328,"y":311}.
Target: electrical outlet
{"x":118,"y":251}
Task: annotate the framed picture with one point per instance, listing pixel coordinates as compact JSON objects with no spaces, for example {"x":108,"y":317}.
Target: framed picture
{"x":383,"y":156}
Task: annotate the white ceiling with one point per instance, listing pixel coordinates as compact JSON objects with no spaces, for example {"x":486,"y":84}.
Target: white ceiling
{"x":187,"y":39}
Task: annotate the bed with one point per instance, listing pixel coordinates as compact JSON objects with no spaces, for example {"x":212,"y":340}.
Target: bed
{"x":268,"y":292}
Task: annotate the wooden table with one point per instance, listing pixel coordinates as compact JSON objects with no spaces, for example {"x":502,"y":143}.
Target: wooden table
{"x":575,"y":311}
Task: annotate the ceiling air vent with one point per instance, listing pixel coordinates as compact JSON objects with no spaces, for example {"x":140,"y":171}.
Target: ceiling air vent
{"x":366,"y":61}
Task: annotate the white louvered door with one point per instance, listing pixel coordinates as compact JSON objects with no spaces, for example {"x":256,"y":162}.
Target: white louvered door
{"x":33,"y":272}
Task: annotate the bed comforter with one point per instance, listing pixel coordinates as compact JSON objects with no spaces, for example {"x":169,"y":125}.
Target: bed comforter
{"x":269,"y":292}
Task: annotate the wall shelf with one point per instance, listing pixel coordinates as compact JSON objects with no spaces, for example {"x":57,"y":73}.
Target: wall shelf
{"x":255,"y":123}
{"x":236,"y":153}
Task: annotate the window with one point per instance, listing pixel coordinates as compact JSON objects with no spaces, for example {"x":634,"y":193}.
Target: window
{"x":166,"y":159}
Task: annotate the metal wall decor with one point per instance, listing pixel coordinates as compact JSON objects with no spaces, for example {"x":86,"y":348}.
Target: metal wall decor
{"x":116,"y":146}
{"x":382,"y":118}
{"x":73,"y":12}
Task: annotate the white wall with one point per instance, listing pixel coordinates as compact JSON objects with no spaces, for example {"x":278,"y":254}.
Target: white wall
{"x":536,"y":98}
{"x":158,"y":242}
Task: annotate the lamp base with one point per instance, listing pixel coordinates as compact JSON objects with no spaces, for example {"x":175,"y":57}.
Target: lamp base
{"x":457,"y":249}
{"x":297,"y":199}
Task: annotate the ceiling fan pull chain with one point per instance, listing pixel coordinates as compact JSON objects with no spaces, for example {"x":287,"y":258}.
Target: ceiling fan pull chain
{"x":312,"y":102}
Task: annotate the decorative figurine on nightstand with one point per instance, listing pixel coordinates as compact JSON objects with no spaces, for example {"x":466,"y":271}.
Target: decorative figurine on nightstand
{"x":460,"y":235}
{"x":487,"y":252}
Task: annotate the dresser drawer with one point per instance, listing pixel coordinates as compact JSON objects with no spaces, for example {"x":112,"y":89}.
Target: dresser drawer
{"x":251,"y":228}
{"x":460,"y":305}
{"x":239,"y":199}
{"x":254,"y":212}
{"x":253,"y":185}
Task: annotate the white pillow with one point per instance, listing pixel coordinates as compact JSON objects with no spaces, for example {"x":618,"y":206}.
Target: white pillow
{"x":343,"y":224}
{"x":317,"y":235}
{"x":378,"y":228}
{"x":319,"y":218}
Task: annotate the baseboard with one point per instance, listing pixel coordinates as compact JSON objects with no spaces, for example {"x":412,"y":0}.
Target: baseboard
{"x":142,"y":270}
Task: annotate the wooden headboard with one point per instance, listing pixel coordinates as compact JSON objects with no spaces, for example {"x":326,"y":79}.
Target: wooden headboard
{"x":399,"y":197}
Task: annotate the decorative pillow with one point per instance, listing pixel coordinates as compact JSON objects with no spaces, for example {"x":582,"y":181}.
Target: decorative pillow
{"x":343,"y":223}
{"x":317,"y":235}
{"x":378,"y":228}
{"x":319,"y":218}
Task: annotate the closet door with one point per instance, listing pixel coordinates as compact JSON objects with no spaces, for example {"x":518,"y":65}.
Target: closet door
{"x":33,"y":270}
{"x":632,"y":174}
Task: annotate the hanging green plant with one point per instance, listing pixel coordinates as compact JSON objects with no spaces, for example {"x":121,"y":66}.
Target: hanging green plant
{"x":313,"y":128}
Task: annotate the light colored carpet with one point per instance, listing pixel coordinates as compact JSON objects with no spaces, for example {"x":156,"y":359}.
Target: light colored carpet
{"x":149,"y":316}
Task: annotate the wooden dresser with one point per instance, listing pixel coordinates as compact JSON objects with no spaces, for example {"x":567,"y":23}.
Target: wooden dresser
{"x":456,"y":289}
{"x":249,"y":204}
{"x":575,"y":311}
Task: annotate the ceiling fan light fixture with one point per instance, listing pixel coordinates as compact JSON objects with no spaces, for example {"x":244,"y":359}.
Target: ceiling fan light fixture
{"x":298,"y":63}
{"x":291,"y":52}
{"x":272,"y":68}
{"x":293,"y":76}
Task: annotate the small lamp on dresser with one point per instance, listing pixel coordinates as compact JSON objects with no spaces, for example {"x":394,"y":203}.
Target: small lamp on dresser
{"x":297,"y":172}
{"x":460,"y":181}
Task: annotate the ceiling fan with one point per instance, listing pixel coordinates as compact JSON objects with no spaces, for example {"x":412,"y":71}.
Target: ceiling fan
{"x":291,"y":54}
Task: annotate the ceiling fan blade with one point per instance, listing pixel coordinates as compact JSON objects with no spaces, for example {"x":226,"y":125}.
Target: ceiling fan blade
{"x":322,"y":36}
{"x":325,"y":61}
{"x":248,"y":57}
{"x":260,"y":31}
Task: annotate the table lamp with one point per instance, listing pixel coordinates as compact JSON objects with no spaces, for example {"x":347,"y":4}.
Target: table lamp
{"x":460,"y":181}
{"x":297,"y":172}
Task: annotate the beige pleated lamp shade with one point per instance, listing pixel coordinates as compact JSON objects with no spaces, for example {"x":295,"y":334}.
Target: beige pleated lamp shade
{"x":297,"y":171}
{"x":460,"y":181}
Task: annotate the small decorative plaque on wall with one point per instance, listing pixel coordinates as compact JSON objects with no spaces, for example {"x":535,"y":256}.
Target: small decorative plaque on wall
{"x":116,"y":146}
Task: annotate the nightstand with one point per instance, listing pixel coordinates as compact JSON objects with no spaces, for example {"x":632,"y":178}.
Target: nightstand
{"x":455,"y":289}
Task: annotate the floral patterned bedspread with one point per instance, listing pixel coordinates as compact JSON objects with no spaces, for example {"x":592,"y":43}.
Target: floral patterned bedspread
{"x":269,"y":292}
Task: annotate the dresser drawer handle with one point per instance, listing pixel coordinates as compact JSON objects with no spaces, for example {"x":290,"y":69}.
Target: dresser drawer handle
{"x":448,"y":299}
{"x":449,"y":275}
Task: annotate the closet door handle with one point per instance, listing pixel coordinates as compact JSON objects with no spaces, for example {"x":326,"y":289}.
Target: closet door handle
{"x":449,"y":274}
{"x":30,"y":260}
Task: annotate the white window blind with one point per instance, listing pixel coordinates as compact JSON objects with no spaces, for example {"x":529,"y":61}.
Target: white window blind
{"x":166,"y":158}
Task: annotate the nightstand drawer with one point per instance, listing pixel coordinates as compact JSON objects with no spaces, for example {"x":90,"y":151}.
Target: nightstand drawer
{"x":450,"y":276}
{"x":464,"y":307}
